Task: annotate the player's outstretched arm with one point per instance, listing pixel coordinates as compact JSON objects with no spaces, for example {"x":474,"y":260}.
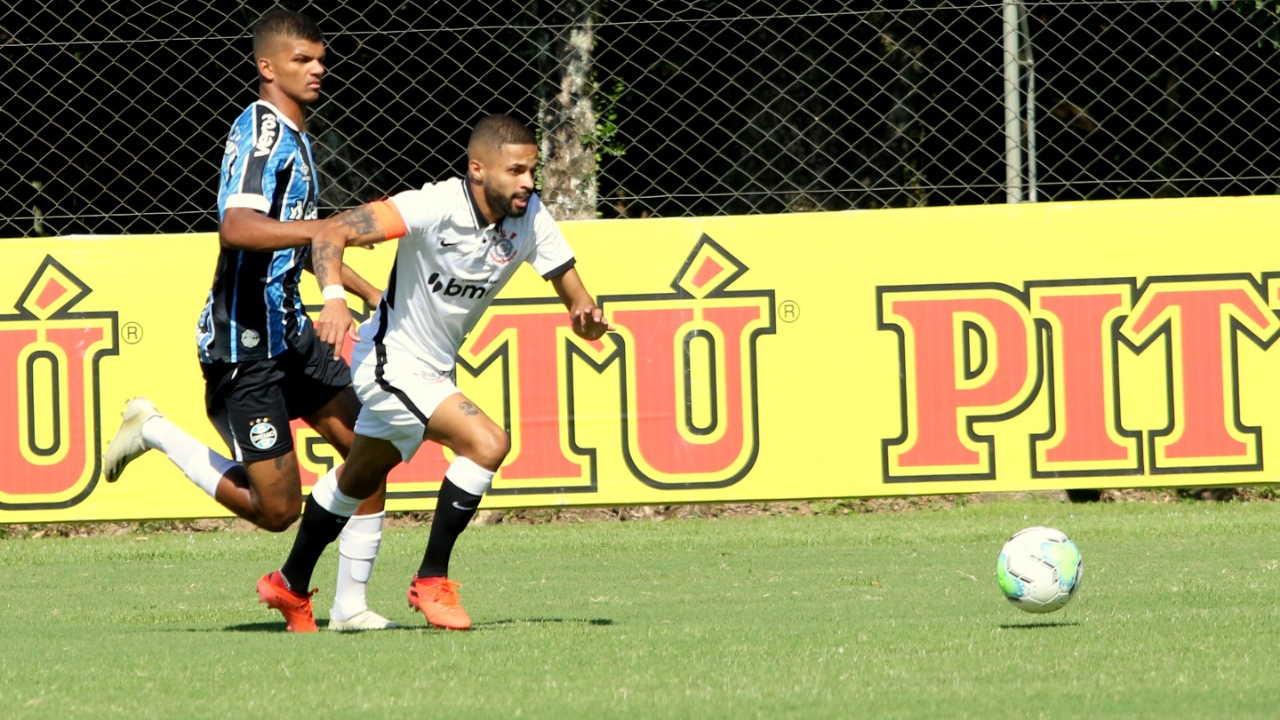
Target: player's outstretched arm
{"x":362,"y":227}
{"x":246,"y":229}
{"x":588,"y":319}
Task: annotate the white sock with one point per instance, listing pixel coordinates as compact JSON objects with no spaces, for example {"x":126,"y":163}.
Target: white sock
{"x":357,"y":549}
{"x":201,"y":465}
{"x":329,"y":497}
{"x":469,"y":476}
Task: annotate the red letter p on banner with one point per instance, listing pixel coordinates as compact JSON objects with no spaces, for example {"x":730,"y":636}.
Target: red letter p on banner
{"x":967,"y":354}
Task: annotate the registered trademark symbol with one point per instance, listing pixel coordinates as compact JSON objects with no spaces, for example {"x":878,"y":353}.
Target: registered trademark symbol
{"x":131,"y":333}
{"x":789,"y":311}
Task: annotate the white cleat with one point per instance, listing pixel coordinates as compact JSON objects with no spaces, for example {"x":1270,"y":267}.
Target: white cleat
{"x":128,"y":444}
{"x":363,"y":620}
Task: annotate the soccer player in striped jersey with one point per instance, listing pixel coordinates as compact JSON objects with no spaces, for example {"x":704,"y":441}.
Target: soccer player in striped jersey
{"x":262,"y":361}
{"x":461,"y":240}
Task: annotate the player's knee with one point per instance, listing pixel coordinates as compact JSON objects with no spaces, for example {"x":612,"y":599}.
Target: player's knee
{"x":279,"y":516}
{"x":278,"y":521}
{"x":274,"y":489}
{"x":490,"y":448}
{"x":366,"y":468}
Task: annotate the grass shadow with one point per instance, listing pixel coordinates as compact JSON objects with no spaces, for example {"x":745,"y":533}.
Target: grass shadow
{"x":1039,"y":625}
{"x":599,"y":622}
{"x":267,"y":627}
{"x":278,"y":627}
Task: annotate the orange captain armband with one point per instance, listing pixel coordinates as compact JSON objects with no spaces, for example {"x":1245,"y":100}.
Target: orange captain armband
{"x":389,"y":219}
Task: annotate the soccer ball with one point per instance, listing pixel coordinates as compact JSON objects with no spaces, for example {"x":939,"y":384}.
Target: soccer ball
{"x":1039,"y":569}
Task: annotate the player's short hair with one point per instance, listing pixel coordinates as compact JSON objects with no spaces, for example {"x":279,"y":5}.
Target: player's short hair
{"x":494,"y":131}
{"x":281,"y":23}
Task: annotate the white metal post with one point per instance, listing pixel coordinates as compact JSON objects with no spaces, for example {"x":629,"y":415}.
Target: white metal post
{"x":1012,"y":104}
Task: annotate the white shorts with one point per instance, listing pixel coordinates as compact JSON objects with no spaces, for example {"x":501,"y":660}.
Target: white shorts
{"x":399,"y":393}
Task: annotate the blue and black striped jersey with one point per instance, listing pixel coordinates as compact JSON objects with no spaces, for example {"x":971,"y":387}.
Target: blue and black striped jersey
{"x":254,"y":310}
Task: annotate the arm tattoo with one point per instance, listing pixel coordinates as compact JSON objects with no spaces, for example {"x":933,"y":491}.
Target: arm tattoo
{"x":320,"y":255}
{"x":468,"y":408}
{"x":362,"y":222}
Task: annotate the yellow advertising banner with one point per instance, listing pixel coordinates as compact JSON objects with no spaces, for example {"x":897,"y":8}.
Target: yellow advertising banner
{"x":856,"y":354}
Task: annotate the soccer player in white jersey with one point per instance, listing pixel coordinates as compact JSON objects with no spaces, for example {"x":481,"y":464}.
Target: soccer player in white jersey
{"x":461,"y":240}
{"x":260,"y":356}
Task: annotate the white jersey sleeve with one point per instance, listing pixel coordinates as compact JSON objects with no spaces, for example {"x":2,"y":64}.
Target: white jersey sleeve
{"x":422,"y":210}
{"x":552,"y":256}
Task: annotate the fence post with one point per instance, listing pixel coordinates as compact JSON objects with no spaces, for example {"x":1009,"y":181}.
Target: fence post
{"x":1012,"y":104}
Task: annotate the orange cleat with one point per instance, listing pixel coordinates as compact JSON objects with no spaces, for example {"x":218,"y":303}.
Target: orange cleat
{"x":296,"y":608}
{"x":437,"y":598}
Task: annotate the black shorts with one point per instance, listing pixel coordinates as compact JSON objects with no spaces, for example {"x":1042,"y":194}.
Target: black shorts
{"x":251,"y":403}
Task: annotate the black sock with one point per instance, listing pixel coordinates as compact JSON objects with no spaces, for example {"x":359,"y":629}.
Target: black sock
{"x":318,"y":528}
{"x":454,"y":509}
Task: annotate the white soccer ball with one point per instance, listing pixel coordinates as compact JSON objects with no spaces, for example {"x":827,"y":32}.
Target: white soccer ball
{"x":1039,"y":569}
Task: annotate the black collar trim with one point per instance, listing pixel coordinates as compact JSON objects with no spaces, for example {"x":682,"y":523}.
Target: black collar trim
{"x":476,"y":213}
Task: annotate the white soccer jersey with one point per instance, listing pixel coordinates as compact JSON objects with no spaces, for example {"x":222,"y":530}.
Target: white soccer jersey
{"x":450,"y":265}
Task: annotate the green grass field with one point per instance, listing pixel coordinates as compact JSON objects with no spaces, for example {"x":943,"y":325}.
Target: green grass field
{"x":893,"y":615}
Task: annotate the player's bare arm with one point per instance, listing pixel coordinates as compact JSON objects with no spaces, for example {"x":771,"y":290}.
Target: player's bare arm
{"x":336,"y":326}
{"x":361,"y":227}
{"x":357,"y":285}
{"x":353,"y":282}
{"x":587,"y":319}
{"x":246,"y":229}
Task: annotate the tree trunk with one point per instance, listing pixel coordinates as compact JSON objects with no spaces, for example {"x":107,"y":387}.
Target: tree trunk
{"x":566,"y":113}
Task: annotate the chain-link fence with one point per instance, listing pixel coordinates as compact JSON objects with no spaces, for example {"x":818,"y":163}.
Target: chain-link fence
{"x":116,"y":113}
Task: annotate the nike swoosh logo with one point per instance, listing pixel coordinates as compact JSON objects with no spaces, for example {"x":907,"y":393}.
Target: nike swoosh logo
{"x":448,"y":244}
{"x":463,"y":507}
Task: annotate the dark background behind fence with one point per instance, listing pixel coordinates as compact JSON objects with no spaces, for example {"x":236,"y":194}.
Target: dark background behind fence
{"x":116,"y":113}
